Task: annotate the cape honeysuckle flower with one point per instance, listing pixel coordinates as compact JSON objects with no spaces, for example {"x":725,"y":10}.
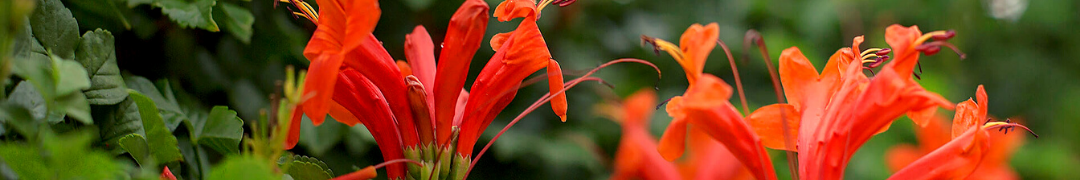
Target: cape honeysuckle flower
{"x":835,"y":112}
{"x":972,"y":151}
{"x":705,"y":105}
{"x":635,"y":157}
{"x":417,"y":110}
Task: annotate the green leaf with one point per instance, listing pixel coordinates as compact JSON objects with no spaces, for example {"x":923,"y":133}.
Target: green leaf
{"x":69,"y":75}
{"x":75,"y":106}
{"x":242,"y":167}
{"x":236,"y":20}
{"x":164,"y":99}
{"x":118,"y":121}
{"x":221,"y":131}
{"x":19,"y":118}
{"x":101,"y":11}
{"x":303,"y":167}
{"x":70,"y":79}
{"x":37,"y":69}
{"x":196,"y":163}
{"x":55,"y":28}
{"x":64,"y":157}
{"x":187,"y":13}
{"x":162,"y":142}
{"x":26,"y":96}
{"x":97,"y":55}
{"x":135,"y":145}
{"x":320,"y":139}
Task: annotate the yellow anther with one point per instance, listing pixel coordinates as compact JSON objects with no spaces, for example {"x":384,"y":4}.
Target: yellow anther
{"x":927,"y":36}
{"x":868,"y":51}
{"x":868,"y":61}
{"x":990,"y":124}
{"x":869,"y":56}
{"x":671,"y":48}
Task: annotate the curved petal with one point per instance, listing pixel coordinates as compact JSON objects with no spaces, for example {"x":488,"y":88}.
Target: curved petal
{"x":956,"y":160}
{"x":463,"y":37}
{"x":555,"y":84}
{"x":696,"y":44}
{"x":767,"y":120}
{"x":319,"y":85}
{"x":523,"y":53}
{"x":706,"y":107}
{"x":797,"y":74}
{"x":359,"y":95}
{"x":511,"y":9}
{"x":369,"y":58}
{"x":421,"y":55}
{"x":902,"y":41}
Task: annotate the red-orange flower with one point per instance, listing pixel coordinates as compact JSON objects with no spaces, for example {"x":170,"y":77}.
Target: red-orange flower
{"x":841,"y":108}
{"x":636,"y":157}
{"x":414,"y":108}
{"x":705,"y":105}
{"x":972,"y":151}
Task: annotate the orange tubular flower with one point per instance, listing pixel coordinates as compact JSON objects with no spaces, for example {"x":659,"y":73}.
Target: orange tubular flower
{"x":840,"y":109}
{"x":705,"y":105}
{"x":517,"y":55}
{"x":635,"y":157}
{"x":416,"y":109}
{"x":969,"y":153}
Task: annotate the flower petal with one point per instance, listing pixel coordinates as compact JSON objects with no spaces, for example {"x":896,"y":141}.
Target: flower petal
{"x":696,"y":43}
{"x":955,"y":160}
{"x":901,"y":39}
{"x":510,"y":9}
{"x":555,"y":83}
{"x":421,"y":55}
{"x":797,"y":74}
{"x":359,"y":95}
{"x":767,"y":120}
{"x":463,"y":37}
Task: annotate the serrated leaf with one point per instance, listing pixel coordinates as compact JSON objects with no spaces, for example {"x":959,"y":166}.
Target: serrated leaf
{"x":69,"y":75}
{"x":221,"y":131}
{"x":74,"y":105}
{"x":55,"y":28}
{"x":186,"y":13}
{"x":26,"y":96}
{"x":236,"y":20}
{"x":97,"y":54}
{"x":242,"y":167}
{"x":162,"y":142}
{"x":117,"y":121}
{"x":25,"y":43}
{"x":70,"y":79}
{"x":303,"y":167}
{"x":163,"y":97}
{"x":37,"y":69}
{"x":136,"y":146}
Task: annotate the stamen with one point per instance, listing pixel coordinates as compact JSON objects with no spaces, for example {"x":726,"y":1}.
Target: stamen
{"x":735,"y":72}
{"x":661,"y":45}
{"x":658,"y":106}
{"x":306,"y":10}
{"x":1008,"y":125}
{"x":563,"y":3}
{"x":753,"y":36}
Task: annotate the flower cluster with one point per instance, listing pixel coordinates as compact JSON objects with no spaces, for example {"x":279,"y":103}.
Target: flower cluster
{"x":418,"y":110}
{"x":827,"y":117}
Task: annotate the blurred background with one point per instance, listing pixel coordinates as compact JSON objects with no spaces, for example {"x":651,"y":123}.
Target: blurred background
{"x":1025,"y":52}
